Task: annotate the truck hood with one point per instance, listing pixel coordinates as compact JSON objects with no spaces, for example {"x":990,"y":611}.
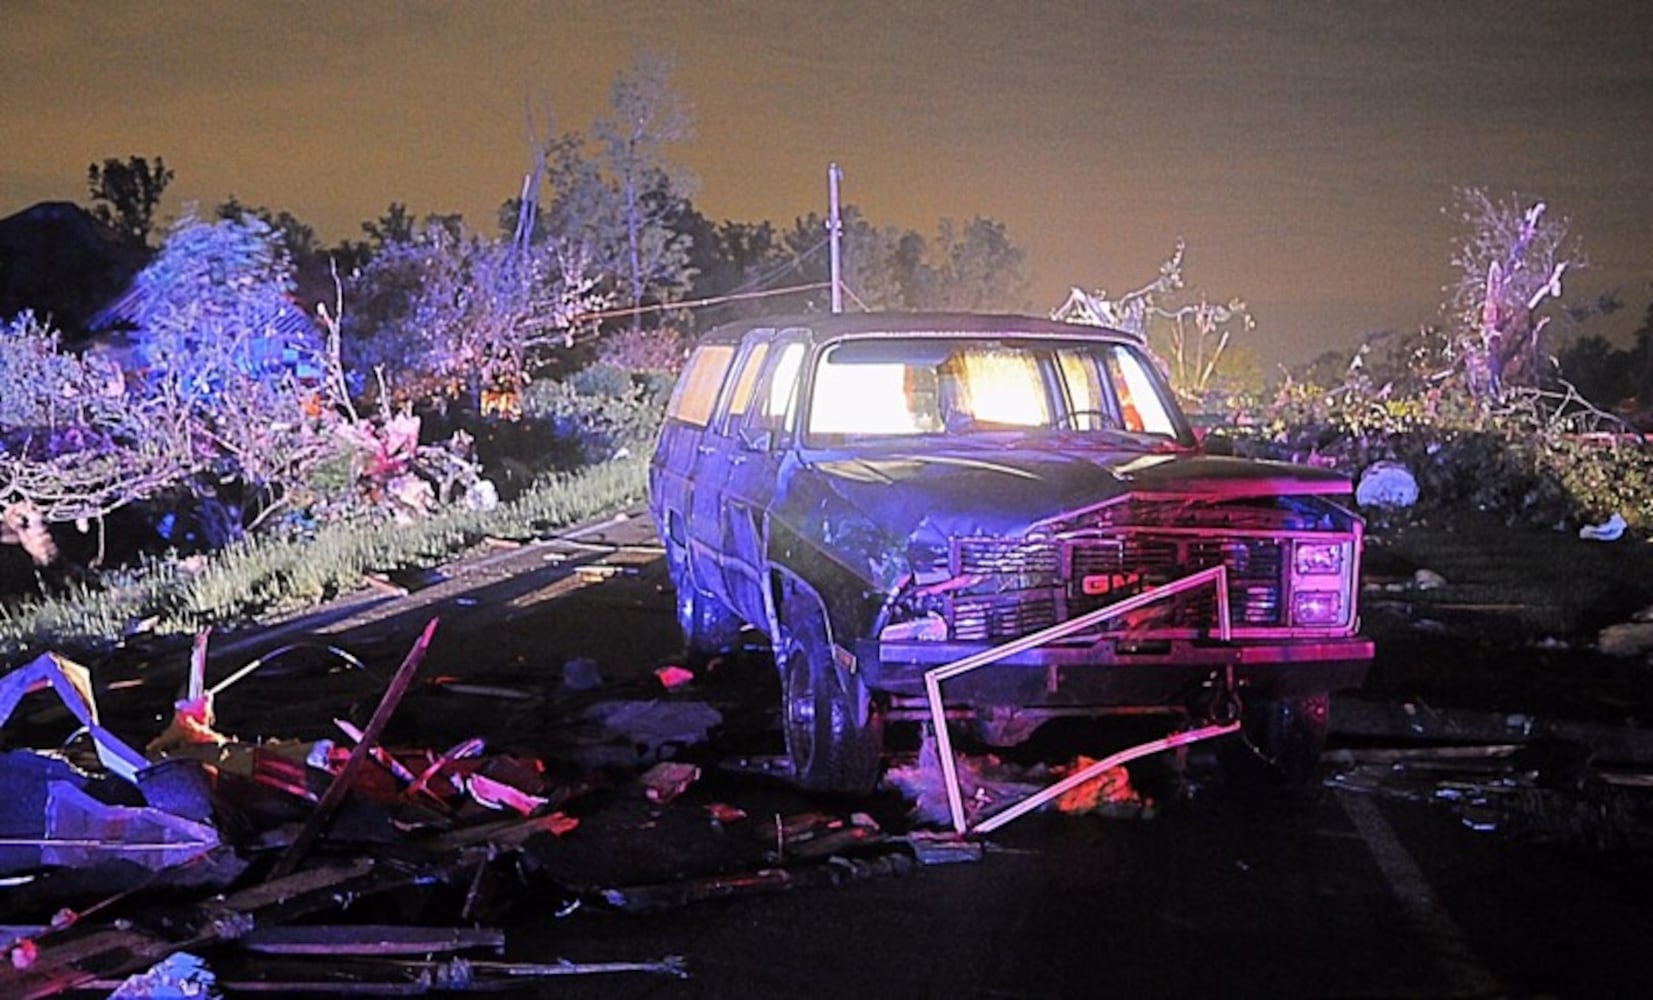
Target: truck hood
{"x":1005,"y":492}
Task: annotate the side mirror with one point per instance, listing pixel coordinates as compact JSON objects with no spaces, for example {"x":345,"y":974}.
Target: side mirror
{"x":757,"y":438}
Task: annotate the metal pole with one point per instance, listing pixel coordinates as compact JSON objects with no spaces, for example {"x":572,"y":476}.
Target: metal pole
{"x":835,"y":229}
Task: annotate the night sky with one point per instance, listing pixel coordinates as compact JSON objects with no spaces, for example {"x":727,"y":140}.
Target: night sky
{"x":1305,"y":150}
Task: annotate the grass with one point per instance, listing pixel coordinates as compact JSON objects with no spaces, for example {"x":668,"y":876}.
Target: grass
{"x":272,"y":575}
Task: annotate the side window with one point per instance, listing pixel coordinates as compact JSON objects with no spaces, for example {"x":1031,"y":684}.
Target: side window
{"x":775,"y":406}
{"x":741,"y":396}
{"x":1140,"y":404}
{"x":696,"y":390}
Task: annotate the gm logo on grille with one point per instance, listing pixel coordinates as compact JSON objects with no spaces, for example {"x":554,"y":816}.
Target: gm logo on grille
{"x":1099,"y":584}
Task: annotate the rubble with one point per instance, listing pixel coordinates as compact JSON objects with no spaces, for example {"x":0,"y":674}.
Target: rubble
{"x":837,"y":870}
{"x":1548,"y":792}
{"x":271,"y":833}
{"x":342,"y":781}
{"x":178,"y":975}
{"x":1427,"y":579}
{"x":673,"y":676}
{"x":993,"y":791}
{"x":72,"y":683}
{"x":202,"y":811}
{"x":625,"y":733}
{"x":667,"y":780}
{"x":1425,"y":724}
{"x":370,"y":939}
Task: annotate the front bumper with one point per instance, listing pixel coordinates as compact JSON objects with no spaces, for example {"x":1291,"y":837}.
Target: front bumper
{"x":1114,"y":672}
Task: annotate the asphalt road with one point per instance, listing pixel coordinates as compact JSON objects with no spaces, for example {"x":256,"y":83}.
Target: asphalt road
{"x":1224,"y":891}
{"x":1229,"y":892}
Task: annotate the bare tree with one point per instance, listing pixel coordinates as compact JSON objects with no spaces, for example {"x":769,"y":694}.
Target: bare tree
{"x":444,"y":315}
{"x":1198,"y":334}
{"x":1511,"y":261}
{"x":1129,"y":312}
{"x":646,"y":116}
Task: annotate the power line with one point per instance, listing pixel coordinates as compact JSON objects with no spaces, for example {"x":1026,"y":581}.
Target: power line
{"x":698,"y":303}
{"x":781,"y":268}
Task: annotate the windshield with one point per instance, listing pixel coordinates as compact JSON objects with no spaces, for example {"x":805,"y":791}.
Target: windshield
{"x":889,"y":387}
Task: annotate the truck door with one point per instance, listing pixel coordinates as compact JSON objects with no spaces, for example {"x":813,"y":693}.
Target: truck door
{"x":671,"y":472}
{"x":761,"y":431}
{"x":715,"y":454}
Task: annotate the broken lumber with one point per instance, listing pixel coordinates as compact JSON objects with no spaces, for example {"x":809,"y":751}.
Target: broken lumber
{"x":369,"y":939}
{"x":406,"y":977}
{"x":340,"y":786}
{"x":85,"y":955}
{"x":835,"y":871}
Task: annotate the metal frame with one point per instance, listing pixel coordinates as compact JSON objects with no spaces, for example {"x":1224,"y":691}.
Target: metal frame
{"x":1216,"y":575}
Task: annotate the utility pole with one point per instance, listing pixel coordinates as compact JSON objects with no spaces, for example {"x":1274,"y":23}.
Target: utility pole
{"x":835,"y":230}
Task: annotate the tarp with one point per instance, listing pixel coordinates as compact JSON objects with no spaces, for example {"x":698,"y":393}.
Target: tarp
{"x":73,"y":684}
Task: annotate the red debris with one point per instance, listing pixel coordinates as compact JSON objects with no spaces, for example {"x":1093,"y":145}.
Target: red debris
{"x":723,"y":812}
{"x":667,"y":780}
{"x":674,"y":676}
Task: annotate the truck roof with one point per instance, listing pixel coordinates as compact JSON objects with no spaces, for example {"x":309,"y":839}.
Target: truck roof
{"x":825,"y":326}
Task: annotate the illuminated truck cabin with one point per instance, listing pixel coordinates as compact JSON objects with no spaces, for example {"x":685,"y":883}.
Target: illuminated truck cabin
{"x":883,"y":495}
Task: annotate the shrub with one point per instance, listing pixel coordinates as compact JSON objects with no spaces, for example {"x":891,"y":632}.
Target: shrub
{"x":1533,"y":457}
{"x":600,"y":410}
{"x":449,"y":315}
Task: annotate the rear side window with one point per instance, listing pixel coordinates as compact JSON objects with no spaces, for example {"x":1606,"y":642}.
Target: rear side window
{"x":748,"y":380}
{"x":696,"y":391}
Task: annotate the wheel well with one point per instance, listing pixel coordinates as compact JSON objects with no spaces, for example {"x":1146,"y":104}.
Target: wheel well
{"x":786,"y":587}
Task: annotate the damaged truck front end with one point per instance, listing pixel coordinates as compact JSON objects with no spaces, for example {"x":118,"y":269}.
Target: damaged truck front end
{"x":1011,"y":505}
{"x":1292,"y":565}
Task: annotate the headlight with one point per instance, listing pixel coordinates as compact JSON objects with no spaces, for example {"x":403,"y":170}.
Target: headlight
{"x":1318,"y":558}
{"x":930,"y":628}
{"x":1317,"y":607}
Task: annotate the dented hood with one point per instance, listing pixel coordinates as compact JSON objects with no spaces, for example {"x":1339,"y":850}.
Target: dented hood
{"x":993,"y":491}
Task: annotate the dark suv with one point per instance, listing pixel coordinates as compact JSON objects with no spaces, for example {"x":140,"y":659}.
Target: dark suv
{"x":1017,"y":500}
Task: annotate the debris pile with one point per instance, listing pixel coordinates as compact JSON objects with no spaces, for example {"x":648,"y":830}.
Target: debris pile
{"x":988,"y":785}
{"x":206,"y":861}
{"x":262,"y":834}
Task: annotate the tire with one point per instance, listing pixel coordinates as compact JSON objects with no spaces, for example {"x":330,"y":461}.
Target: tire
{"x":1282,"y":739}
{"x":834,"y":733}
{"x":709,"y":628}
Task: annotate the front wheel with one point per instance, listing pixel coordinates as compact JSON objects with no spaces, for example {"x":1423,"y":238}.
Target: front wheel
{"x":834,"y":734}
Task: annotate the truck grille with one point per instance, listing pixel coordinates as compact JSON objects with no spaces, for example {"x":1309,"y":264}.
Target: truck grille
{"x":1022,"y":586}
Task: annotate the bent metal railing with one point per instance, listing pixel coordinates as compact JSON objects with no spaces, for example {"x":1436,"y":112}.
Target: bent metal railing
{"x":1216,"y":576}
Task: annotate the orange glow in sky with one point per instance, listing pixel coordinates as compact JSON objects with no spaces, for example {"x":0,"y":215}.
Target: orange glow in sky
{"x":1305,"y":151}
